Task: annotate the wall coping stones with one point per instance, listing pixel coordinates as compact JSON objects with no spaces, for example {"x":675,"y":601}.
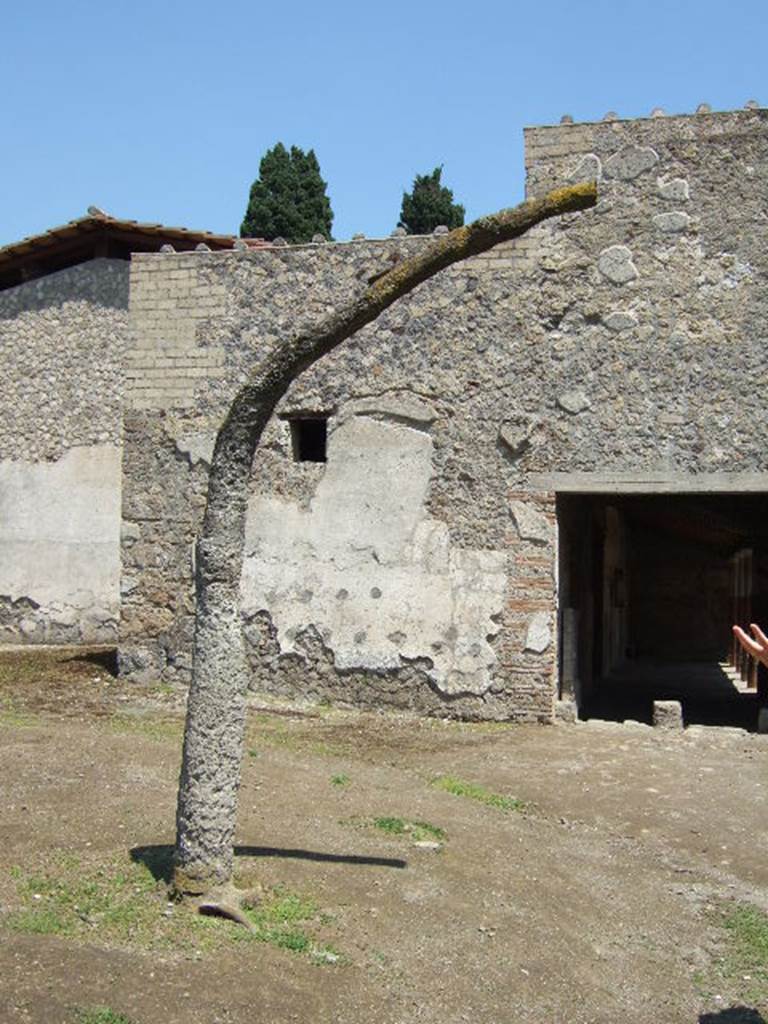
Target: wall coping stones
{"x":703,"y":109}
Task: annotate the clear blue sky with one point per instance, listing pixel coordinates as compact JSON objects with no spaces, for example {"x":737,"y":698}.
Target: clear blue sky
{"x":161,"y":111}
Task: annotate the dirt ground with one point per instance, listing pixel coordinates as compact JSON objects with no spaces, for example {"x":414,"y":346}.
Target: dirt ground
{"x":619,"y":891}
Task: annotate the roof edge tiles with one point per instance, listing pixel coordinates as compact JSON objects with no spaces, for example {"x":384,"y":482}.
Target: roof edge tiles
{"x":100,"y":235}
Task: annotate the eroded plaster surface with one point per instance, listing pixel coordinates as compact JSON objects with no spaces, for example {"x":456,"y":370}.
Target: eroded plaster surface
{"x":595,"y":349}
{"x":59,"y":546}
{"x":369,"y":569}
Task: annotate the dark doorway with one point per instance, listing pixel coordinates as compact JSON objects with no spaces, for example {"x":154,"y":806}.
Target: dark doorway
{"x":649,"y":587}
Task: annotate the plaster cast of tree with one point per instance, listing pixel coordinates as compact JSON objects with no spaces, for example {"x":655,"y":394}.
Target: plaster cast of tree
{"x":214,"y":732}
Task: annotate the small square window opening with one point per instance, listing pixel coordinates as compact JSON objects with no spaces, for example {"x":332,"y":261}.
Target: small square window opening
{"x":309,"y":438}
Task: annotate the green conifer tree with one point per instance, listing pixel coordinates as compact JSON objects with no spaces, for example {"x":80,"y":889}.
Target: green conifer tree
{"x":288,"y":198}
{"x":428,"y":205}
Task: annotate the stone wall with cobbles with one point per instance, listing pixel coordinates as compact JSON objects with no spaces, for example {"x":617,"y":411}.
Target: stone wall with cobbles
{"x":62,"y":345}
{"x":624,"y":341}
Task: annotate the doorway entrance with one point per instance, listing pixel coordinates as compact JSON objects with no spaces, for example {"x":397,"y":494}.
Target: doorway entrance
{"x":649,"y":586}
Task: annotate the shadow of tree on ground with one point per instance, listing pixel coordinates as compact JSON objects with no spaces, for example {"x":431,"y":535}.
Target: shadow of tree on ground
{"x":733,"y":1015}
{"x":158,"y":859}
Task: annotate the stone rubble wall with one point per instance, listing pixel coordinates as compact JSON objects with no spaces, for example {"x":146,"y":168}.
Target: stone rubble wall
{"x":625,"y":340}
{"x":666,"y":328}
{"x":62,"y":342}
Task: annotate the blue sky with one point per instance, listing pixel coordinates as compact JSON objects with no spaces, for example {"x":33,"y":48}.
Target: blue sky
{"x":161,"y":111}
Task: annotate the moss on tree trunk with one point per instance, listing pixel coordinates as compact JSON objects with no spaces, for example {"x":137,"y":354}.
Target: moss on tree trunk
{"x":213,"y":738}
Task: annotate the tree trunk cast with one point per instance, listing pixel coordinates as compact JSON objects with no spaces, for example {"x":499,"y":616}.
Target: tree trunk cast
{"x":215,"y":725}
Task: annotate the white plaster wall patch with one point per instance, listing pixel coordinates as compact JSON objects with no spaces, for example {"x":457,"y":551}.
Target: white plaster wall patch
{"x":615,"y":263}
{"x":370,"y":570}
{"x":531,"y":524}
{"x":630,"y":162}
{"x":539,"y":635}
{"x":60,"y":530}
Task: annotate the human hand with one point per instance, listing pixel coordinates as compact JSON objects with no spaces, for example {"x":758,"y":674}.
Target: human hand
{"x":756,"y":645}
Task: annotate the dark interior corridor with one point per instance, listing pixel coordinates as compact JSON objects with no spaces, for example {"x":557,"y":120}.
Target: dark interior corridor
{"x":649,"y":586}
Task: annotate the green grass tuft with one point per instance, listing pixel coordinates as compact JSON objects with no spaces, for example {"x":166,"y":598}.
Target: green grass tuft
{"x":277,"y":921}
{"x":101,"y":1015}
{"x":149,"y":726}
{"x":265,"y":730}
{"x":68,"y":902}
{"x":393,"y":826}
{"x":328,"y":955}
{"x":37,"y":921}
{"x":126,"y":904}
{"x":746,"y":961}
{"x":340,"y":780}
{"x":13,"y":718}
{"x":473,"y":791}
{"x":418,"y":832}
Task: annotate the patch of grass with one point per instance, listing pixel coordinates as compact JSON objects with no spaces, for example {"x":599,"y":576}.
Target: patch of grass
{"x":328,"y":955}
{"x":101,"y":1015}
{"x":161,"y":690}
{"x":126,"y":905}
{"x":340,"y":780}
{"x":151,"y":727}
{"x":13,"y":718}
{"x":745,"y":963}
{"x":70,"y":902}
{"x":417,"y":831}
{"x":473,"y":791}
{"x":37,"y":921}
{"x":278,"y":921}
{"x":24,"y":667}
{"x":267,"y":729}
{"x":270,"y":730}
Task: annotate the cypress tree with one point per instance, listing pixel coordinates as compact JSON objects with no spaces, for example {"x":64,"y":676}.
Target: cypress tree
{"x":428,"y":205}
{"x":288,"y":198}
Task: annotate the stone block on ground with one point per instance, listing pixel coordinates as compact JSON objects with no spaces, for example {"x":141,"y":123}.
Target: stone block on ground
{"x":667,"y":714}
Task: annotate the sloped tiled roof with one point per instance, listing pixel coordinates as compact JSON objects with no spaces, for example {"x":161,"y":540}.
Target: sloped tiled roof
{"x":99,"y":234}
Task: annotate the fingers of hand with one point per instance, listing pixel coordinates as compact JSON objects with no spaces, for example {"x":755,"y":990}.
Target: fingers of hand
{"x":749,"y":645}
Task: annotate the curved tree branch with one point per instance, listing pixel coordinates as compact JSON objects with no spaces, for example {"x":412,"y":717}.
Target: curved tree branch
{"x":213,"y":737}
